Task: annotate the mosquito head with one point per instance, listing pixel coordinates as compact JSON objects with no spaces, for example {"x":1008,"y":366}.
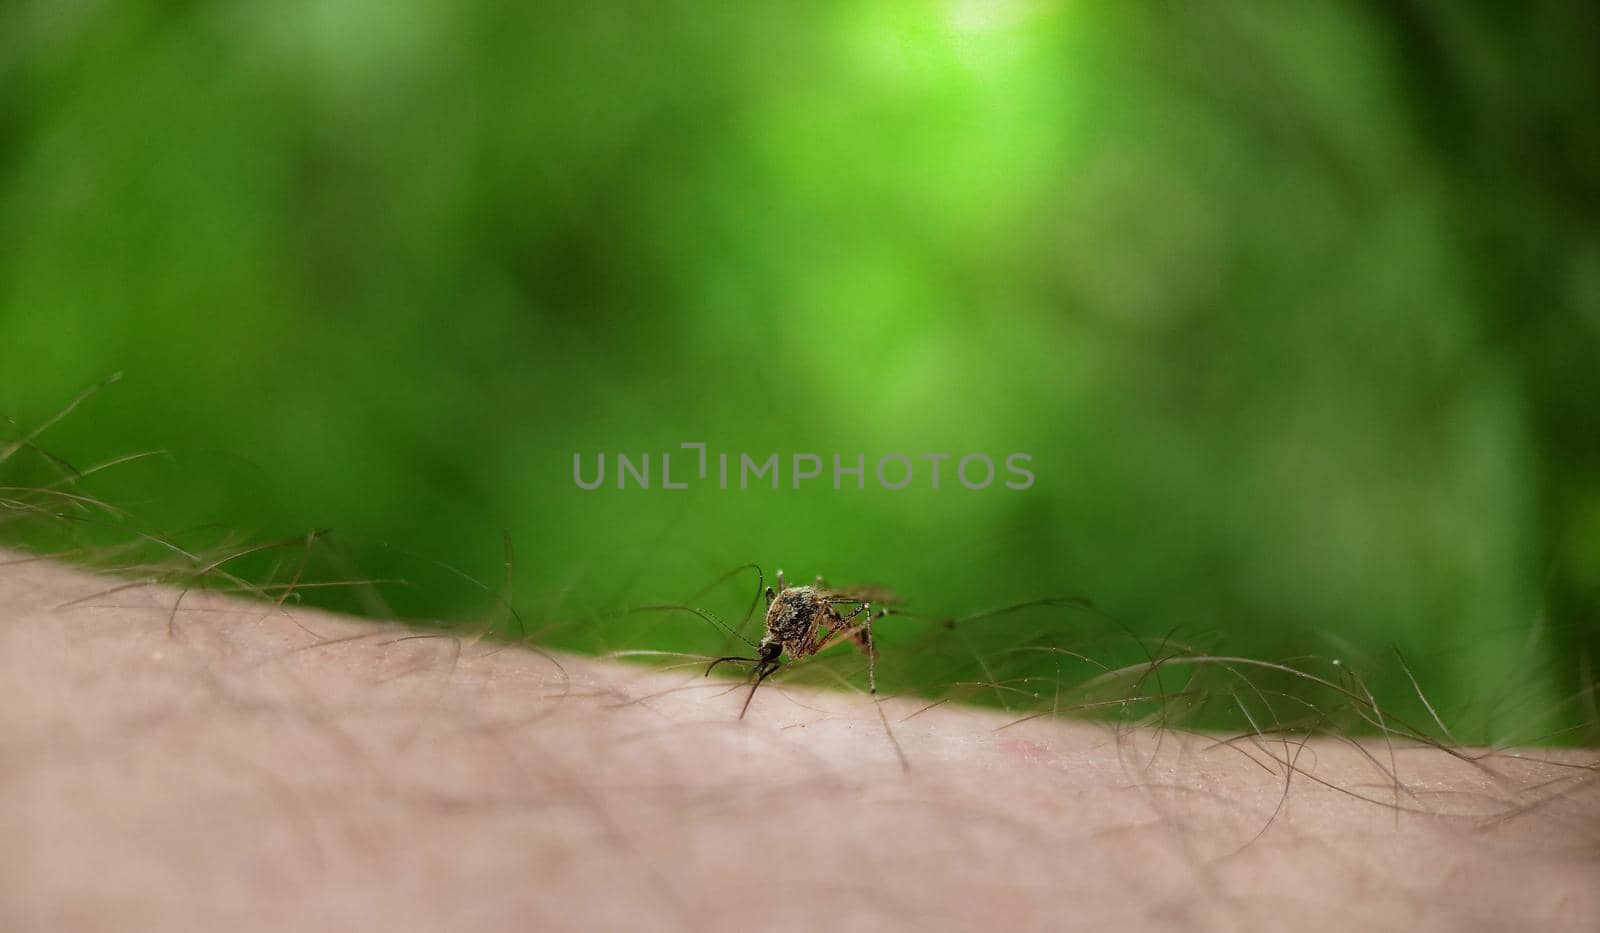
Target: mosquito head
{"x":770,"y":650}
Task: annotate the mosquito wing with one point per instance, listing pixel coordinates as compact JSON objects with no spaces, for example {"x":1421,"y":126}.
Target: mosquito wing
{"x":873,"y":593}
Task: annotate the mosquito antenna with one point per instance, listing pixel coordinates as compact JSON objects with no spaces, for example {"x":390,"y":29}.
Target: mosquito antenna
{"x":755,"y":600}
{"x":761,"y":585}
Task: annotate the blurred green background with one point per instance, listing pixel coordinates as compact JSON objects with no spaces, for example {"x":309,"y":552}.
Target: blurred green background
{"x":1295,"y":306}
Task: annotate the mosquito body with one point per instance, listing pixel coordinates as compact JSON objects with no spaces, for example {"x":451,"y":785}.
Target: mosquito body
{"x":803,"y":620}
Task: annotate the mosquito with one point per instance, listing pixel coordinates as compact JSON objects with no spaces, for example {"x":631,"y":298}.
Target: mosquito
{"x":805,"y":620}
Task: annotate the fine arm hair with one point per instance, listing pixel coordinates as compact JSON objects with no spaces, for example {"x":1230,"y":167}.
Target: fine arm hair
{"x":214,"y":762}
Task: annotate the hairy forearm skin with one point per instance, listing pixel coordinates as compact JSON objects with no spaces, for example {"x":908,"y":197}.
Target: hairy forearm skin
{"x":238,"y":766}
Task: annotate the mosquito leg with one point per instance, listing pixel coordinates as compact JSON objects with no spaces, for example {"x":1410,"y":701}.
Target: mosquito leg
{"x":864,"y":640}
{"x":845,"y":630}
{"x":872,"y":684}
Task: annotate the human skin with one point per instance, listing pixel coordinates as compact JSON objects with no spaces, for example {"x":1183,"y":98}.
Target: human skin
{"x":242,"y":766}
